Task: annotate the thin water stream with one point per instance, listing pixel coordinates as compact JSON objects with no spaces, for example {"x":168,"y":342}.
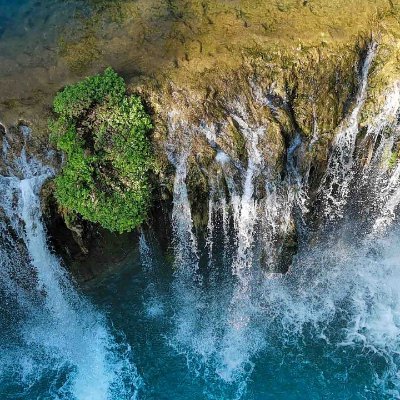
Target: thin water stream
{"x":62,"y":346}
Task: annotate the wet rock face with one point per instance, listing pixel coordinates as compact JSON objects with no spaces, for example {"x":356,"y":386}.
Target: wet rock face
{"x":245,"y":77}
{"x":178,"y":41}
{"x":269,"y":126}
{"x":266,"y":129}
{"x":69,"y":241}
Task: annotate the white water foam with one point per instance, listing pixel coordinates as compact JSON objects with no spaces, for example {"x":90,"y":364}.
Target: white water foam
{"x":61,"y":339}
{"x":340,"y":291}
{"x":154,"y":306}
{"x":336,"y":183}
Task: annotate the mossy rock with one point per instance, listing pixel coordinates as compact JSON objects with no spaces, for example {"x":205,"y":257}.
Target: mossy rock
{"x":104,"y":135}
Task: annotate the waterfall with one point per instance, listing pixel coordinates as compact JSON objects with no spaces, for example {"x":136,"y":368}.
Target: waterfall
{"x":339,"y":295}
{"x":186,"y":243}
{"x":390,"y":199}
{"x":217,"y":315}
{"x":187,"y":285}
{"x":263,"y":296}
{"x":384,"y":178}
{"x":241,"y":338}
{"x":154,"y":305}
{"x":245,"y":207}
{"x":339,"y":174}
{"x":185,"y":240}
{"x":59,"y":339}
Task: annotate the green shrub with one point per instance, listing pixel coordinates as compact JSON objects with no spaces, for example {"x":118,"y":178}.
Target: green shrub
{"x":103,"y":134}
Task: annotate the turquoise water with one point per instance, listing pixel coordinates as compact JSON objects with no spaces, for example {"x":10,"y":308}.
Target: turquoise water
{"x":208,"y":323}
{"x":333,"y":336}
{"x":299,"y":350}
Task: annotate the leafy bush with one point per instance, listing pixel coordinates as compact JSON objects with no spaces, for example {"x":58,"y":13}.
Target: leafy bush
{"x":103,"y":134}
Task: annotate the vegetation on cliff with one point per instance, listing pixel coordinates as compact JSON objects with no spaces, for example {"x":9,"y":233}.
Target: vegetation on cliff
{"x":103,"y":133}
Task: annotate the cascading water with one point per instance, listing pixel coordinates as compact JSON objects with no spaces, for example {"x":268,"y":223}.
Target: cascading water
{"x":60,"y":343}
{"x":219,"y":326}
{"x":382,"y":170}
{"x":186,"y":263}
{"x":322,"y":324}
{"x":337,"y":309}
{"x":153,"y":302}
{"x":339,"y":174}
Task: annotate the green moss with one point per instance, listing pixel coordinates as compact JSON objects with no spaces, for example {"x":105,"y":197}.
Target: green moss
{"x":393,"y":160}
{"x":239,"y":142}
{"x":103,"y":134}
{"x":80,"y":54}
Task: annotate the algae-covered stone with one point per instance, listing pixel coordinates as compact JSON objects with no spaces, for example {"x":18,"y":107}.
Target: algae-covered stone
{"x":103,"y":134}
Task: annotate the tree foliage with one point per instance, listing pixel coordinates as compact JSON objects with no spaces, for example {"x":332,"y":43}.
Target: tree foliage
{"x":104,"y":135}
